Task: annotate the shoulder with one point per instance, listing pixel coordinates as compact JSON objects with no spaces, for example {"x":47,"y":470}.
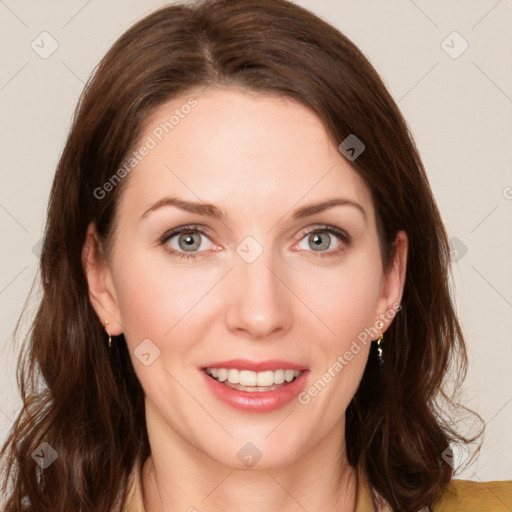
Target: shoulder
{"x":469,"y":496}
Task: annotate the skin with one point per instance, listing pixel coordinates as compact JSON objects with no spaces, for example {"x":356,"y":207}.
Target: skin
{"x":259,"y":158}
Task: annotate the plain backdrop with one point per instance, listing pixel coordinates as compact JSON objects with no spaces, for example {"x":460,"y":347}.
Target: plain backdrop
{"x":446,"y":63}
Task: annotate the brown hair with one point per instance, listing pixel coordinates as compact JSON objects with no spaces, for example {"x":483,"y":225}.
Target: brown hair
{"x":85,"y":400}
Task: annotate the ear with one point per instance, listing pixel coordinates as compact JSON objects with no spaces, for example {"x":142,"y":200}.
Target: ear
{"x":100,"y":283}
{"x":393,"y":285}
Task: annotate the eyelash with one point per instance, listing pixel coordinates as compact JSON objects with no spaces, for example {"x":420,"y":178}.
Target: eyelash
{"x":321,"y":228}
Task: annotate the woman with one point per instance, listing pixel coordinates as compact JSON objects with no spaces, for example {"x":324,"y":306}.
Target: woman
{"x":245,"y":274}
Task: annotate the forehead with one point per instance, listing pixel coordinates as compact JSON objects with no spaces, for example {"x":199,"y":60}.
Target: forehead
{"x":251,"y":151}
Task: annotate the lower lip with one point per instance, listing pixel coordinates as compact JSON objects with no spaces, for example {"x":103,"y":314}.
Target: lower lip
{"x":257,"y":401}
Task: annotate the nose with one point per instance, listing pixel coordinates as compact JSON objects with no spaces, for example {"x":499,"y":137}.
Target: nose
{"x":259,"y":304}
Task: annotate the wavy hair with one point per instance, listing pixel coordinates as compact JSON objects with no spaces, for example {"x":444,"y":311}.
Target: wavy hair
{"x":85,"y":400}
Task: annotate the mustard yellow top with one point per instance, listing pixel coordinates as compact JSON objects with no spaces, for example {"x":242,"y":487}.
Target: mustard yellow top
{"x":460,"y":496}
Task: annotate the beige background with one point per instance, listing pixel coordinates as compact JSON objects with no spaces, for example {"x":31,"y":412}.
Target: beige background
{"x":459,"y":110}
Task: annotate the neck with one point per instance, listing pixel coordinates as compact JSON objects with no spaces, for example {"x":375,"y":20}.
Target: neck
{"x":191,"y":481}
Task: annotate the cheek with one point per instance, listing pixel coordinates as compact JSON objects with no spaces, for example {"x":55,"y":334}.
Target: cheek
{"x":153,"y":295}
{"x":143,"y":303}
{"x":345,"y":302}
{"x":158,"y":302}
{"x":344,"y":298}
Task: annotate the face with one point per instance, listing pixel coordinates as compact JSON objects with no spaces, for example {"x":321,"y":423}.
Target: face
{"x":222,"y":269}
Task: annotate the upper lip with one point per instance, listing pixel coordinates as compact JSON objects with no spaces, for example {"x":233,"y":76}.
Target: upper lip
{"x":256,"y":366}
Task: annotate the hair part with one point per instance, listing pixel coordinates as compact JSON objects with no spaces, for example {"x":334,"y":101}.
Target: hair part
{"x":85,"y":400}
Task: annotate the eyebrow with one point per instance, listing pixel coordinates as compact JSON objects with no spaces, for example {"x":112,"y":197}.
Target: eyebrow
{"x":210,"y":210}
{"x":311,"y":209}
{"x":206,"y":209}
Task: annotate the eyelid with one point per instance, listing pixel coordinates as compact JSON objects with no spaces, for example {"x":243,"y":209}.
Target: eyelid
{"x":170,"y":233}
{"x":326,"y":227}
{"x":344,"y":237}
{"x":189,"y":228}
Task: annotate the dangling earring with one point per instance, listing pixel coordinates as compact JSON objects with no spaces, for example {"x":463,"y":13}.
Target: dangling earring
{"x":380,"y":342}
{"x":109,"y":336}
{"x":379,"y":350}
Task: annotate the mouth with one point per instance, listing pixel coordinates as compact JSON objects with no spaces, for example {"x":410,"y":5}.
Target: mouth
{"x":255,"y":386}
{"x":252,"y":381}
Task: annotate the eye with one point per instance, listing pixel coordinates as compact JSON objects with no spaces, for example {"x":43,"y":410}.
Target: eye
{"x":185,"y":241}
{"x":324,"y":240}
{"x":189,"y":241}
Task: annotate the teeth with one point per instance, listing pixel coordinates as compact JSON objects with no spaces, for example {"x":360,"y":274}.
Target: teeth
{"x":233,"y":376}
{"x":279,"y":376}
{"x":289,"y":375}
{"x":263,"y":378}
{"x":248,"y":378}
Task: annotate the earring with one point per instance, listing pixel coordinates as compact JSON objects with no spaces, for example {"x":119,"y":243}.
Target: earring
{"x":109,"y":336}
{"x":379,"y":350}
{"x":379,"y":345}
